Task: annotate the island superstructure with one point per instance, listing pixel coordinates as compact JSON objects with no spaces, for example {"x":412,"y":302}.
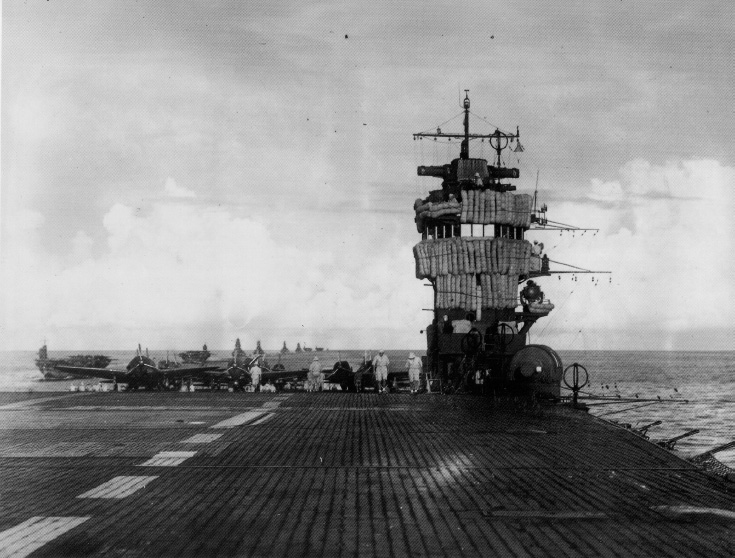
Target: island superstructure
{"x":474,"y":253}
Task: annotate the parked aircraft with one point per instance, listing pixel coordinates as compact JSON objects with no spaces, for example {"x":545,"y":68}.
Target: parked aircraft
{"x":141,"y":371}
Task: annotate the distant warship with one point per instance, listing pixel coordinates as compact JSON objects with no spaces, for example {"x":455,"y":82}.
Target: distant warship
{"x":195,"y":357}
{"x":47,"y":365}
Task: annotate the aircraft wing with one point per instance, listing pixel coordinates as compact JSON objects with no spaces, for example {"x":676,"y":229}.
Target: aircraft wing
{"x":284,"y":375}
{"x":85,"y":372}
{"x":194,"y":371}
{"x":218,"y":372}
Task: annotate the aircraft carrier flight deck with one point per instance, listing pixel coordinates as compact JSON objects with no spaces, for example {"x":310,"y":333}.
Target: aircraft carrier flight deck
{"x":341,"y":474}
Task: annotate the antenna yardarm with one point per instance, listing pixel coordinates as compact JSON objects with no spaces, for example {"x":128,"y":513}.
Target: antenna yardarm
{"x":498,"y":140}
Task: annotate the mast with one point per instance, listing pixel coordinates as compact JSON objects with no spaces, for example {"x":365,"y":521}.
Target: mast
{"x":498,"y":140}
{"x":465,"y":150}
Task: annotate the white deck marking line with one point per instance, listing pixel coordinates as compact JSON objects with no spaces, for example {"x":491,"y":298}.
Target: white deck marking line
{"x":262,"y":420}
{"x":168,"y":459}
{"x":21,"y":540}
{"x":118,"y":487}
{"x":201,"y":439}
{"x":238,"y":420}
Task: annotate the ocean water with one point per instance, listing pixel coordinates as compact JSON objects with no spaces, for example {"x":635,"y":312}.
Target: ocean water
{"x":696,"y":391}
{"x":691,"y":389}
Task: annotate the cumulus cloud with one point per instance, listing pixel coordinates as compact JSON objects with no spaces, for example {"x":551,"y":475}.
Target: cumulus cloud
{"x":178,"y":274}
{"x":667,"y":237}
{"x":82,"y":245}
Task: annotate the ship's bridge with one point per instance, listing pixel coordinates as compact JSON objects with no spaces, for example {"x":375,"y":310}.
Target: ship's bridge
{"x":473,"y":202}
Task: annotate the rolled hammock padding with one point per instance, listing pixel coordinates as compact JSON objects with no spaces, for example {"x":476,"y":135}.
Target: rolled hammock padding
{"x":476,"y":259}
{"x":501,"y":254}
{"x":417,"y":257}
{"x":495,"y":290}
{"x":472,"y":245}
{"x":489,"y":256}
{"x":525,"y":258}
{"x":480,"y":254}
{"x":520,"y":209}
{"x":511,"y":257}
{"x":455,"y":256}
{"x":485,"y":207}
{"x":483,"y":257}
{"x":501,"y":291}
{"x":480,"y":210}
{"x":454,"y":249}
{"x":425,"y":263}
{"x":499,"y":211}
{"x":470,"y":258}
{"x":478,"y":206}
{"x":498,"y":290}
{"x":508,"y":254}
{"x":457,"y":288}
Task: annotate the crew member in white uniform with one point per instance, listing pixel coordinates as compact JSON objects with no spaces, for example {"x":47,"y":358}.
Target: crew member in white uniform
{"x":380,"y":368}
{"x":414,"y":367}
{"x":255,"y":374}
{"x":315,"y":375}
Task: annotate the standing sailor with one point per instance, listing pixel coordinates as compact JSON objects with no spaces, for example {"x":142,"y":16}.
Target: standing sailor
{"x":255,"y":374}
{"x":315,"y":375}
{"x":414,"y":367}
{"x":380,"y":369}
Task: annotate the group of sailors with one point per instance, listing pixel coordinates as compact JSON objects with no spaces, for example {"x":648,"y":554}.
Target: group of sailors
{"x":315,"y":376}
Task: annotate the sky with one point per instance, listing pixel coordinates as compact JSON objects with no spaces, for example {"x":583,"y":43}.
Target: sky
{"x":178,"y":173}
